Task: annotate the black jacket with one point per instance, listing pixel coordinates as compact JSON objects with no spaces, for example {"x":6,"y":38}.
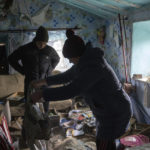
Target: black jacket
{"x":94,"y":79}
{"x":35,"y":64}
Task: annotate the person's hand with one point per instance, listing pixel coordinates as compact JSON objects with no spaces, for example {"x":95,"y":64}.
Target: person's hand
{"x":38,"y":83}
{"x":36,"y":96}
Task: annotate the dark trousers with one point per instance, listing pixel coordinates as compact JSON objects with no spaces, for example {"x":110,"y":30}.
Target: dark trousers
{"x":103,"y":144}
{"x":46,"y":106}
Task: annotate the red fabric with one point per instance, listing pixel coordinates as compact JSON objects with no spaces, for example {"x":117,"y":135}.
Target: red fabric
{"x":5,"y":138}
{"x":81,"y":117}
{"x":4,"y":126}
{"x":4,"y":143}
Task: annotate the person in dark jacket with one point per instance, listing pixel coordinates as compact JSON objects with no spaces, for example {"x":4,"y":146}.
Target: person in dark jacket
{"x":94,"y":79}
{"x":37,"y":58}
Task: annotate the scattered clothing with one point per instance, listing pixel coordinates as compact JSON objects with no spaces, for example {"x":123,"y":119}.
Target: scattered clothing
{"x":135,"y":140}
{"x":5,"y":138}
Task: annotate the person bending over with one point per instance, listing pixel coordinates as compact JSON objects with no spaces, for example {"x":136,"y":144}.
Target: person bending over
{"x":94,"y":79}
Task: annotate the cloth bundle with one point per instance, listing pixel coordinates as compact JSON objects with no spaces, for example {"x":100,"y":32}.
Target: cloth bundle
{"x":5,"y":138}
{"x":134,"y":140}
{"x":36,"y":124}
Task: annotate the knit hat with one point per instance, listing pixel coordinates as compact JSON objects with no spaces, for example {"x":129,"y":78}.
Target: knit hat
{"x":41,"y":34}
{"x":74,"y":46}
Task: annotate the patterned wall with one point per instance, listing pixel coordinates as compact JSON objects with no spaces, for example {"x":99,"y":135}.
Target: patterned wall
{"x":113,"y":48}
{"x":58,"y":15}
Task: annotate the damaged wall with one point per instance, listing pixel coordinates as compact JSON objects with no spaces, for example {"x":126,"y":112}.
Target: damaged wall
{"x":113,"y":52}
{"x":60,"y":15}
{"x":113,"y":48}
{"x":51,"y":14}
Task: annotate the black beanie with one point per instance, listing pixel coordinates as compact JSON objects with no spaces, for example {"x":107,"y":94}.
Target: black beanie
{"x":74,"y":46}
{"x":41,"y":34}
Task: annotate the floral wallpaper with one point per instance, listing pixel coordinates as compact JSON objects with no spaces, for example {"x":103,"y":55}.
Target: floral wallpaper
{"x":113,"y":47}
{"x":51,"y":14}
{"x":57,"y":15}
{"x":60,"y":15}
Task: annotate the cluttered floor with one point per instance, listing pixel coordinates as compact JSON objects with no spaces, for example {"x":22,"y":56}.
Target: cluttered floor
{"x":71,"y":127}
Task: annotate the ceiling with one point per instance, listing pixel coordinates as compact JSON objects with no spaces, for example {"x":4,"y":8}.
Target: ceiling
{"x":108,"y":8}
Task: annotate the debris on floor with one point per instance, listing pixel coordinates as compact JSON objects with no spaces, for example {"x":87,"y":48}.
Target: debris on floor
{"x":75,"y":130}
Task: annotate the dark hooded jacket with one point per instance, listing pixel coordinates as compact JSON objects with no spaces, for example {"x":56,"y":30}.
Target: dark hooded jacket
{"x":94,"y":79}
{"x":35,"y":64}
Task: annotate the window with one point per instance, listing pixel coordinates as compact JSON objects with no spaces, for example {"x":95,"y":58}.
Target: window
{"x":140,"y":61}
{"x":56,"y":40}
